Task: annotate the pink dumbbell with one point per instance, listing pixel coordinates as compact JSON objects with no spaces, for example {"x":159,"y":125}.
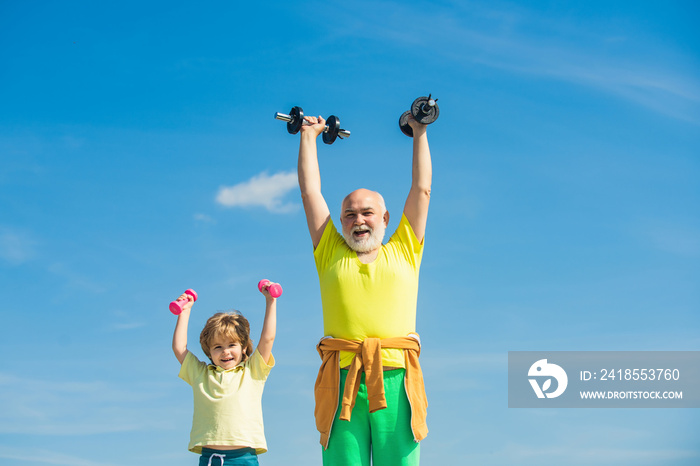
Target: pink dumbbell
{"x":176,"y":306}
{"x":275,"y":288}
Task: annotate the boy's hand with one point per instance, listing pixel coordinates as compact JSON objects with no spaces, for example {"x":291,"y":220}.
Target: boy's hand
{"x":189,"y":301}
{"x":265,"y":290}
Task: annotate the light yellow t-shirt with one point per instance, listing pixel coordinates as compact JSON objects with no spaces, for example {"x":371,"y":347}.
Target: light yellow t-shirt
{"x":227,"y":403}
{"x":376,"y":300}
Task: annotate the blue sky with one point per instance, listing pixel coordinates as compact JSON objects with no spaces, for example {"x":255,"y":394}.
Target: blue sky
{"x":140,"y":158}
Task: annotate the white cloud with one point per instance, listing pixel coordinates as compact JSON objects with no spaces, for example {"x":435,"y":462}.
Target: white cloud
{"x":262,"y":190}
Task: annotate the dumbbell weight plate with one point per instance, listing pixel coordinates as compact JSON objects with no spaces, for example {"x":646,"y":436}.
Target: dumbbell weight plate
{"x":403,"y":124}
{"x":424,"y":113}
{"x":331,"y":134}
{"x":297,"y":115}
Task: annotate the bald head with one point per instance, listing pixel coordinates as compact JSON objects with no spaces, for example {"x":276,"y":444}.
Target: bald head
{"x":362,"y":198}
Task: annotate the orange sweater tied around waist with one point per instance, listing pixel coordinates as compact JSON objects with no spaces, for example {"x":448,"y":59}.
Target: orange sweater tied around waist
{"x":368,"y":359}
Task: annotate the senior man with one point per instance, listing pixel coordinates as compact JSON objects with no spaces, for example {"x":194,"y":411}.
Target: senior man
{"x":370,"y":399}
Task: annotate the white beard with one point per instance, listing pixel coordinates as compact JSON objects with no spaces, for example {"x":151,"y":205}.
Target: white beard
{"x":370,"y":243}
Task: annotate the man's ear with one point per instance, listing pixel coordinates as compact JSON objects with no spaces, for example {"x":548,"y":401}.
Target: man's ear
{"x":386,"y":218}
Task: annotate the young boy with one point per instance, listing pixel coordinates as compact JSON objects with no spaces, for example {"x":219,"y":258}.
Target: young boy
{"x":227,"y":426}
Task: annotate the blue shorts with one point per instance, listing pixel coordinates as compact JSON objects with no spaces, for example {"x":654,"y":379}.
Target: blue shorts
{"x":240,"y":457}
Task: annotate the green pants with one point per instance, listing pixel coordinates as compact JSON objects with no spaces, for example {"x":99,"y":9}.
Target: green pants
{"x":384,"y":437}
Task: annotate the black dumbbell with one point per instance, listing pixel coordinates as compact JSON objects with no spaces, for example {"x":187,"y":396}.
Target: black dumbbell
{"x":424,"y":109}
{"x":295,"y":120}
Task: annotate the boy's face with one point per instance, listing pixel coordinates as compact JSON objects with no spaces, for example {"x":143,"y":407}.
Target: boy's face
{"x":225,"y":352}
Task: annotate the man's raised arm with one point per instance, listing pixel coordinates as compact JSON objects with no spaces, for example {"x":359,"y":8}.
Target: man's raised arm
{"x":416,"y":208}
{"x":317,"y":213}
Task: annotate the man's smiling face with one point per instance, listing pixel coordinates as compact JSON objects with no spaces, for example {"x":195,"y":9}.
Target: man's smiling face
{"x":364,"y":220}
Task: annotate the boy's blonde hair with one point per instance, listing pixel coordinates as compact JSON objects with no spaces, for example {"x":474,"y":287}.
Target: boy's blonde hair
{"x":230,"y":324}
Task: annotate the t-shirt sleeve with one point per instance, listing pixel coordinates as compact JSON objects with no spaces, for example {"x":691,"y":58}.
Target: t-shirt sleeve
{"x":257,"y":366}
{"x":191,"y":368}
{"x":327,"y":245}
{"x":405,"y":239}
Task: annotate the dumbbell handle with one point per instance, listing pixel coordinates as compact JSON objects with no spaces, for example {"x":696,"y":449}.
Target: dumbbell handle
{"x":342,"y":133}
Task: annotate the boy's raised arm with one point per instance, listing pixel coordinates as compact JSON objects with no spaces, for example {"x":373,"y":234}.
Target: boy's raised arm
{"x":269,"y":328}
{"x":315,"y":207}
{"x":180,"y":334}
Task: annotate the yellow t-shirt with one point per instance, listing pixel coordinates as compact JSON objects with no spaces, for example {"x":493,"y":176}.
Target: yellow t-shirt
{"x":227,"y":403}
{"x":376,"y":300}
